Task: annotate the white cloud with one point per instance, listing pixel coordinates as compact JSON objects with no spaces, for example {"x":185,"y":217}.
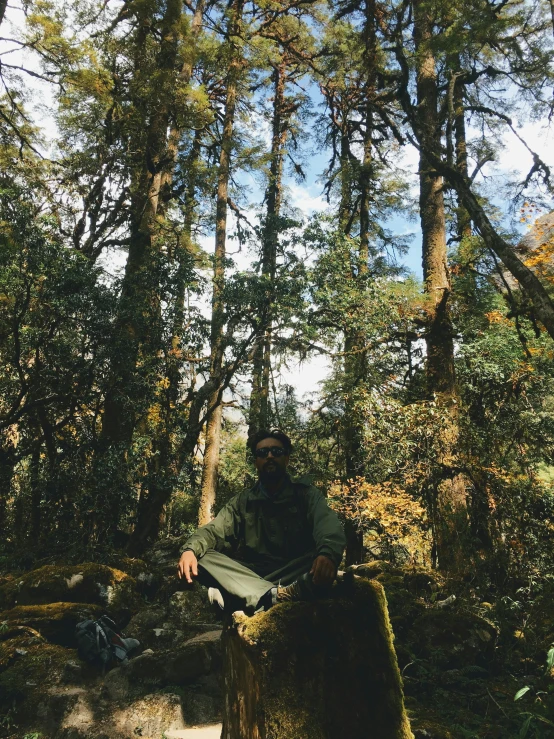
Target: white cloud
{"x":307,"y":199}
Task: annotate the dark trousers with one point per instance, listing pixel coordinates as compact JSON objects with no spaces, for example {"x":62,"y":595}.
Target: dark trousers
{"x":242,"y":586}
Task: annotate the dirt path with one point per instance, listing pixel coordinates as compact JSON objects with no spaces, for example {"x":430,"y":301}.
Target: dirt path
{"x":200,"y":732}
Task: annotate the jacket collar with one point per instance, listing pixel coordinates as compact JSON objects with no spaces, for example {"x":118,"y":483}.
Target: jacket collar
{"x":285,"y":493}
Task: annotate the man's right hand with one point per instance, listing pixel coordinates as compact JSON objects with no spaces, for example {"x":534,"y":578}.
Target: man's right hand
{"x":188,"y":566}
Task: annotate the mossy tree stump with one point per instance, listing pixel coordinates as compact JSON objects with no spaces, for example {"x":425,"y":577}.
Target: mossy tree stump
{"x":315,"y":670}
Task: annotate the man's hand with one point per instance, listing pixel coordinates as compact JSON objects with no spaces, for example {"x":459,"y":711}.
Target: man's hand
{"x":323,"y":571}
{"x":188,"y":566}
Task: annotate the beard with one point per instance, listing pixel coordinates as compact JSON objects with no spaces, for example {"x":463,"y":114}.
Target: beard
{"x":273,"y":475}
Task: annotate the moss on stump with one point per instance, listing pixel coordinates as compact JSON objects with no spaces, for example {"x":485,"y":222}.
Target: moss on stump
{"x":315,"y":670}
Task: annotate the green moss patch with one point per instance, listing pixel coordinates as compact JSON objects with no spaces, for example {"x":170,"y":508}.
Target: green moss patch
{"x":54,"y":621}
{"x":108,"y":587}
{"x":27,"y":666}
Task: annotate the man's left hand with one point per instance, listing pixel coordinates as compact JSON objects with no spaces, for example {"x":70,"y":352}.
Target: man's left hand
{"x":323,"y":571}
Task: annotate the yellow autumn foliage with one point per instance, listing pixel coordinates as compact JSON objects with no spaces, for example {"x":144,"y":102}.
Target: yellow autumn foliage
{"x":386,"y":513}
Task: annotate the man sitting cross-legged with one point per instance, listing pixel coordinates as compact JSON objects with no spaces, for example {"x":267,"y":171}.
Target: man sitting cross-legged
{"x":277,"y":542}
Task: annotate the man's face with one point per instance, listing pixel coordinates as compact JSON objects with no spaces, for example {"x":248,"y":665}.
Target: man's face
{"x":271,"y":468}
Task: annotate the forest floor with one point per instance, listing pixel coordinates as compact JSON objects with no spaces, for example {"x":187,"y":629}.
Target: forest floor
{"x":464,"y":652}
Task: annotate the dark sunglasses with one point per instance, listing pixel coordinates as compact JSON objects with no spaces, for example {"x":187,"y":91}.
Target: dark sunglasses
{"x":276,"y":451}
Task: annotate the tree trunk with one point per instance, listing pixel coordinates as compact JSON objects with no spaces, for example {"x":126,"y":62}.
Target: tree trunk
{"x":8,"y":460}
{"x":3,"y":6}
{"x":366,"y":172}
{"x":137,"y":323}
{"x":542,"y":304}
{"x":439,"y":339}
{"x":450,"y":504}
{"x":213,"y":423}
{"x":138,"y":320}
{"x":259,"y":397}
{"x":36,"y":495}
{"x":463,"y":219}
{"x":162,"y":464}
{"x":345,"y":206}
{"x":355,"y":363}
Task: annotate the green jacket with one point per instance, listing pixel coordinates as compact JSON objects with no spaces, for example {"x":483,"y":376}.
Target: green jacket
{"x":268,"y":533}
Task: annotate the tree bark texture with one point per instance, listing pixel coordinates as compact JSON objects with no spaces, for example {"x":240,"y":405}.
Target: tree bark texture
{"x":462,"y":216}
{"x":213,"y":423}
{"x":439,"y":340}
{"x":315,"y":670}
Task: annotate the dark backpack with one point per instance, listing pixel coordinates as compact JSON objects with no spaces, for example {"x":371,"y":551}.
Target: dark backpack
{"x":100,"y":644}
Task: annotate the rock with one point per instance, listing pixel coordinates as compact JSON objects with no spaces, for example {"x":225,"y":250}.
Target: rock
{"x":78,"y":718}
{"x":421,"y":582}
{"x":191,"y":606}
{"x":367,"y":569}
{"x":452,"y":640}
{"x":180,"y":665}
{"x":315,"y":670}
{"x":413,"y":579}
{"x":164,"y":638}
{"x":142,"y":624}
{"x":85,"y":583}
{"x":72,"y":672}
{"x":148,"y":583}
{"x":64,"y":709}
{"x":431,"y":731}
{"x":150,"y":717}
{"x":54,"y":621}
{"x":116,"y":686}
{"x":199,"y":732}
{"x":27,"y":665}
{"x":202,"y":701}
{"x":212,"y":638}
{"x":165,"y":553}
{"x":425,"y":724}
{"x":148,"y":578}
